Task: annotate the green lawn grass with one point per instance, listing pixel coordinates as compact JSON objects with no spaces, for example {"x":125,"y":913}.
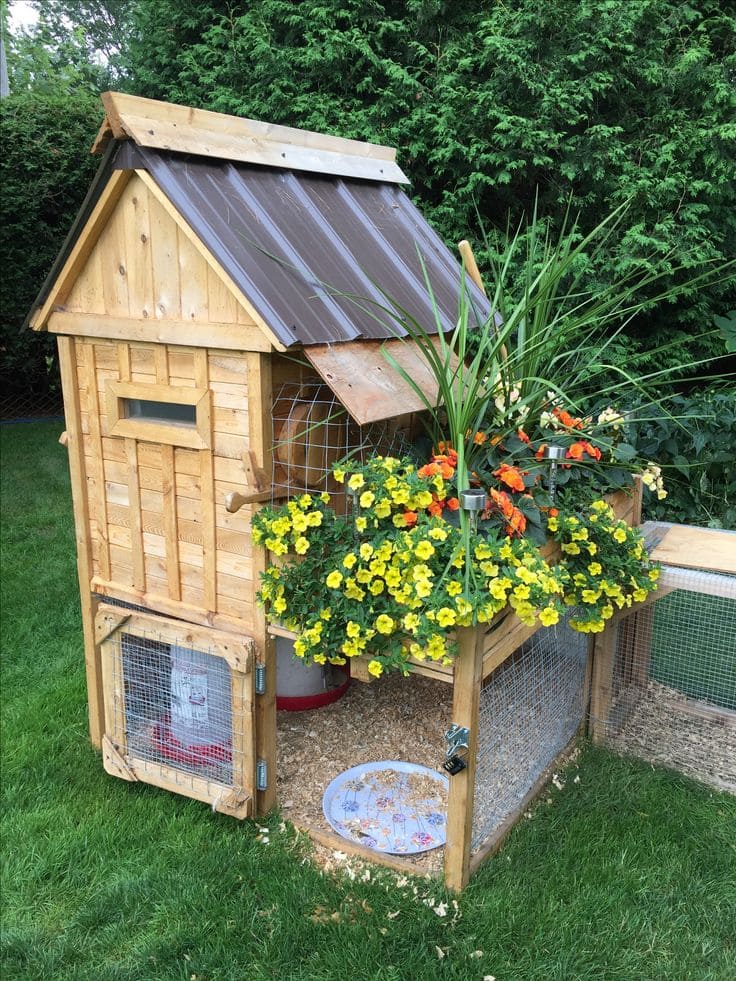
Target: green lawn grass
{"x":628,"y":874}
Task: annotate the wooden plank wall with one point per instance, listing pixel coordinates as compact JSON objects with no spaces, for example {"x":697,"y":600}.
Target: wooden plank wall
{"x":158,"y":518}
{"x":144,"y":267}
{"x":158,"y":525}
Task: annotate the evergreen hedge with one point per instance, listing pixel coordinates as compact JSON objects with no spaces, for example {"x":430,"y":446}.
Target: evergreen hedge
{"x":45,"y":171}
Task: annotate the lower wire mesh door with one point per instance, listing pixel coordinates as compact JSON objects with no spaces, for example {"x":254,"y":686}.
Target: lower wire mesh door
{"x":179,"y":707}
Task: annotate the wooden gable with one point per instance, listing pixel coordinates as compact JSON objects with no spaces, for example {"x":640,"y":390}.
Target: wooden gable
{"x":138,"y":272}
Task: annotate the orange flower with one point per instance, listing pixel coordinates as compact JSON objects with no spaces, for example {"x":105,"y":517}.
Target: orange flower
{"x":502,"y":501}
{"x":516,"y":523}
{"x":495,"y":440}
{"x":577,"y":449}
{"x":453,"y":503}
{"x":566,"y":419}
{"x":511,"y":476}
{"x":446,"y":450}
{"x":539,"y":455}
{"x":428,"y":470}
{"x":552,"y":512}
{"x":410,"y":519}
{"x":522,"y":436}
{"x":435,"y":509}
{"x":480,"y":438}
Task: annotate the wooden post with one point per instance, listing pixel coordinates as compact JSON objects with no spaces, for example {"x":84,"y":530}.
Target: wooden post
{"x":70,"y":388}
{"x":259,"y":424}
{"x":465,"y":712}
{"x":604,"y":658}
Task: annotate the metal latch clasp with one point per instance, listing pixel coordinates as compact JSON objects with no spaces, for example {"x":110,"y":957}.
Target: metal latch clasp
{"x":456,"y":756}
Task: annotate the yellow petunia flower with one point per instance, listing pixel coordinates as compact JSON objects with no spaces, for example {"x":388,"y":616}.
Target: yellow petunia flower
{"x":549,"y":616}
{"x":385,"y":624}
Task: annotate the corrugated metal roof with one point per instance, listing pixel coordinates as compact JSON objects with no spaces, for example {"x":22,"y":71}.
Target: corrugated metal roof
{"x":300,"y":245}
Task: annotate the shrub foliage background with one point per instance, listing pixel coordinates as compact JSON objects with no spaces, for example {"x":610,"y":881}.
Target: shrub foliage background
{"x":45,"y":170}
{"x":583,"y":102}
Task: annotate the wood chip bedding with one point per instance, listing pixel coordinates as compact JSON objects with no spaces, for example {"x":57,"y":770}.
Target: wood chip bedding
{"x":393,"y":718}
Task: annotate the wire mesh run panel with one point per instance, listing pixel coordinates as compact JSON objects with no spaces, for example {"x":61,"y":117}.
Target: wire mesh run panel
{"x":664,"y":686}
{"x":312,"y":431}
{"x":530,"y":709}
{"x":179,"y":709}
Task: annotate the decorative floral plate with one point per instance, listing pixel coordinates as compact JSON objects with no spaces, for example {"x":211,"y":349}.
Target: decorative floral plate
{"x":392,"y":806}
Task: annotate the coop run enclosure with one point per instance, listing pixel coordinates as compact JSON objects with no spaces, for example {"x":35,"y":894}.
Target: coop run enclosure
{"x":665,"y":681}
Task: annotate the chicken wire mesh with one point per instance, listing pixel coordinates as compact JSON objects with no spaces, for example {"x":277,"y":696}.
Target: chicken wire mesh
{"x":176,"y":713}
{"x":673,"y":679}
{"x":530,"y":708}
{"x":312,"y":431}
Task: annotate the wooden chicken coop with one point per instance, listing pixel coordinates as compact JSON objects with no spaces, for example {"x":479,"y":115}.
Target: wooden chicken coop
{"x":213,"y":358}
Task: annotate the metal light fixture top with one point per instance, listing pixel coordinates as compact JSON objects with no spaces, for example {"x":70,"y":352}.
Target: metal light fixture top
{"x":473,"y":500}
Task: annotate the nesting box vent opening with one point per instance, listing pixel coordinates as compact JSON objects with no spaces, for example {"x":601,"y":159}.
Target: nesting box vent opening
{"x":312,"y":432}
{"x":668,"y":679}
{"x":530,"y":709}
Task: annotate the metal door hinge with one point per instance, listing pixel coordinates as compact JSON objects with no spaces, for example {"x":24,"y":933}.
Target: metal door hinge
{"x":260,"y":678}
{"x":261,"y":775}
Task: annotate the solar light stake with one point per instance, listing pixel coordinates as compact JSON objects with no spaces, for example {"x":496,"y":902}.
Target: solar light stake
{"x":553,"y":454}
{"x":473,"y":501}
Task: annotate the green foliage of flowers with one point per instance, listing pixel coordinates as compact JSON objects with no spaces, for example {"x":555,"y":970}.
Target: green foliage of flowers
{"x":604,"y":564}
{"x":694,"y":444}
{"x":395,"y":577}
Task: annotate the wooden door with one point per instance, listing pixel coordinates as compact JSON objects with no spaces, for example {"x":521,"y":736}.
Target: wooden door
{"x":179,"y":708}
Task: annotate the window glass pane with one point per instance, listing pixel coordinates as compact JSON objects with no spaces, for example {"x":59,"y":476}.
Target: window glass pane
{"x":171,"y":412}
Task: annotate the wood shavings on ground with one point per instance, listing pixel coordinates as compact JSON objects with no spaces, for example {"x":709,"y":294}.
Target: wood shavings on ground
{"x":660,"y":725}
{"x":393,"y":718}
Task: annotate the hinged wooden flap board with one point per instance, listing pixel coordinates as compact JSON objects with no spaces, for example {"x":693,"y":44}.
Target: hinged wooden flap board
{"x":370,"y":387}
{"x":697,"y":548}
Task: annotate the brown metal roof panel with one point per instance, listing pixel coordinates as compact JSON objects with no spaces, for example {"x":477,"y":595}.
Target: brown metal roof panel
{"x":300,"y":245}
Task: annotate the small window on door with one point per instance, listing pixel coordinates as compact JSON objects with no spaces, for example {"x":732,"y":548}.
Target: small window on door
{"x":159,"y":414}
{"x":146,"y":409}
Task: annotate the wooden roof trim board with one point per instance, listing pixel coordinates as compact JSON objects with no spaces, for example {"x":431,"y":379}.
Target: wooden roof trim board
{"x":198,"y":131}
{"x":369,"y":386}
{"x":209,"y":258}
